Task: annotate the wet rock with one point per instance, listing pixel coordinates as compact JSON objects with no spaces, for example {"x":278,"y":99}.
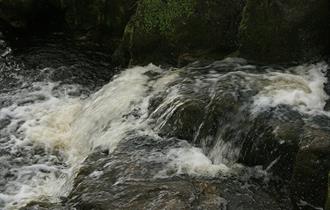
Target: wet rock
{"x":129,"y":179}
{"x":43,"y":206}
{"x":185,"y":121}
{"x":283,"y":141}
{"x":4,"y":123}
{"x":278,"y":140}
{"x":310,"y":177}
{"x":327,"y":205}
{"x":161,"y":31}
{"x":273,"y":140}
{"x":59,"y":59}
{"x":284,"y":31}
{"x":327,"y":87}
{"x":5,"y":50}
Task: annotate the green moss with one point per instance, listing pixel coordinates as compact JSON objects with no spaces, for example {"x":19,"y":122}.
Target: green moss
{"x":165,"y":31}
{"x":162,"y":15}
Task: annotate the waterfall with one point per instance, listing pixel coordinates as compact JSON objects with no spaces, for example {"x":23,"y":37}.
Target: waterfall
{"x":47,"y":133}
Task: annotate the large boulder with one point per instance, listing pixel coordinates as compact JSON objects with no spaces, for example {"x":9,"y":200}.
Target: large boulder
{"x":285,"y":30}
{"x":286,"y":142}
{"x":168,"y":31}
{"x":129,"y":179}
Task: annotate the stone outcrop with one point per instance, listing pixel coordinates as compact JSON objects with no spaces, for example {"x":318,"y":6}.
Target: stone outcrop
{"x":130,"y":180}
{"x":285,"y":142}
{"x":179,"y":32}
{"x":176,"y":31}
{"x":310,"y":177}
{"x":285,"y":30}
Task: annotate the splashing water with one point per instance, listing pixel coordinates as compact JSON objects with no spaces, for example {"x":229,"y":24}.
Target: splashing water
{"x":73,"y":127}
{"x":303,"y":90}
{"x":56,"y":132}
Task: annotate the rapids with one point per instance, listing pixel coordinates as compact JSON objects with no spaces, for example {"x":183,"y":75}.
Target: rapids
{"x":49,"y":128}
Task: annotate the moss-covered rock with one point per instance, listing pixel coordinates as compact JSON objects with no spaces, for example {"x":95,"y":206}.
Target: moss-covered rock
{"x":285,"y":30}
{"x":161,"y":31}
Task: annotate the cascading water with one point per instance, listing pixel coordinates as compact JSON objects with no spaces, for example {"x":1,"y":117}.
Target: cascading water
{"x":49,"y":129}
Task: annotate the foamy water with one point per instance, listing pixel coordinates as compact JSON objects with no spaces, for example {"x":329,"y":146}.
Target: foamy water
{"x":74,"y":127}
{"x":192,"y":161}
{"x":70,"y":128}
{"x":300,"y":87}
{"x":40,"y":177}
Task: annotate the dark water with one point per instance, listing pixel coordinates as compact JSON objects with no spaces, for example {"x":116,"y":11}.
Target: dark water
{"x":220,"y":135}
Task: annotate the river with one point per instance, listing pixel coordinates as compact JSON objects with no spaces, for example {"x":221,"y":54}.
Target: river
{"x":69,"y":121}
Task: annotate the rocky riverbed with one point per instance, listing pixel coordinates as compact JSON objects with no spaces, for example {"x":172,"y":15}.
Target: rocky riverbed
{"x":151,"y":104}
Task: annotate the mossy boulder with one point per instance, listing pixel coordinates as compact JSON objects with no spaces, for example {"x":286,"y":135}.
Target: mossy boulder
{"x":285,"y":30}
{"x":161,"y":31}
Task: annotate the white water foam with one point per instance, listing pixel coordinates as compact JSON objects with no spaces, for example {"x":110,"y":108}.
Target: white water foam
{"x":301,"y":88}
{"x":192,"y":161}
{"x":39,"y":178}
{"x":75,"y":127}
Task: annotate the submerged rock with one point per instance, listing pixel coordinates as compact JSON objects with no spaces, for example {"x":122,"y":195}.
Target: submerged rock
{"x":285,"y":30}
{"x":190,"y":112}
{"x":162,"y":31}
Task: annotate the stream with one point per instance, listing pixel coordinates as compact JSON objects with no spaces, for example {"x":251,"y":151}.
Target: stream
{"x":75,"y":133}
